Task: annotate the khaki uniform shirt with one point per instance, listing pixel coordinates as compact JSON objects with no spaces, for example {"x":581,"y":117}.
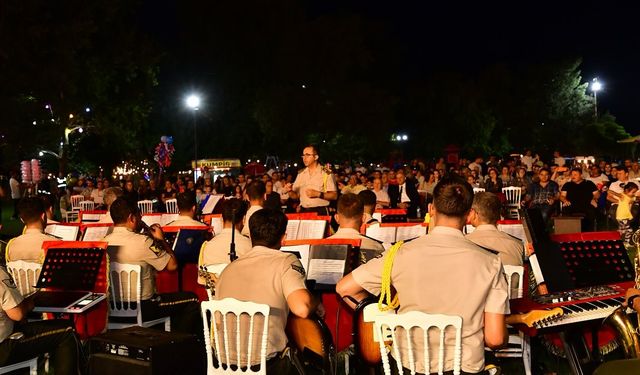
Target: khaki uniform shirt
{"x":510,"y":249}
{"x":128,"y":247}
{"x":264,"y":276}
{"x":28,"y":246}
{"x":10,"y":297}
{"x":250,"y":211}
{"x":444,"y":273}
{"x":216,"y":250}
{"x":319,"y":181}
{"x":186,"y":221}
{"x":366,"y":243}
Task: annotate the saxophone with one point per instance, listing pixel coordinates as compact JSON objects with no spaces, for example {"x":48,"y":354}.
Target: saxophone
{"x":627,"y":335}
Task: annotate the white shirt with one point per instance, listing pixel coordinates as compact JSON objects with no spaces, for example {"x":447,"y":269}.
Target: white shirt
{"x":15,"y":188}
{"x":97,"y":196}
{"x":404,"y":198}
{"x":559,"y":160}
{"x":528,"y":161}
{"x":250,"y":211}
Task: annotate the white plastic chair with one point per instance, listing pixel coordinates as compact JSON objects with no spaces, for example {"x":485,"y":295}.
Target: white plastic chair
{"x":216,"y":316}
{"x":24,"y":274}
{"x":87,"y":206}
{"x":386,"y":326}
{"x":145,"y":206}
{"x":215,"y":269}
{"x":513,"y":195}
{"x":171,"y":206}
{"x":518,"y":343}
{"x":478,"y":190}
{"x":32,"y":364}
{"x":124,"y":297}
{"x":75,"y":202}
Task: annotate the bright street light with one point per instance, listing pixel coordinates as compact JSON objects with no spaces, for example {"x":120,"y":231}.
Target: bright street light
{"x":43,"y":152}
{"x":595,"y":87}
{"x":68,"y":131}
{"x":193,"y":102}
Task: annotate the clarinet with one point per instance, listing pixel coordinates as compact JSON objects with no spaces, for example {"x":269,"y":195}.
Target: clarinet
{"x":158,"y":245}
{"x":232,"y":245}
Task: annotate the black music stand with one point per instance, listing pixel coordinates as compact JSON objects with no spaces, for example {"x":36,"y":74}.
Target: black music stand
{"x":327,"y":279}
{"x":71,"y":268}
{"x":187,"y":245}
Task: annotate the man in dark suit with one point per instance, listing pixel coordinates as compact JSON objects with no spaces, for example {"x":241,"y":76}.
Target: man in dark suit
{"x":404,"y":194}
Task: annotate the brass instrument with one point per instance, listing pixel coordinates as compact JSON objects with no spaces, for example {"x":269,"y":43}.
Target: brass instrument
{"x":628,"y":335}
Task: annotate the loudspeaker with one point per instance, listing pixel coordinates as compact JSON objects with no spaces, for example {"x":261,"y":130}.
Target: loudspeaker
{"x":146,"y":351}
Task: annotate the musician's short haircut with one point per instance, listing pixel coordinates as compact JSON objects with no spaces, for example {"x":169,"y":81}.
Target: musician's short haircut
{"x":487,"y":206}
{"x":622,"y":167}
{"x":120,"y":210}
{"x":314,"y":148}
{"x":186,"y":201}
{"x":267,"y":228}
{"x":31,"y":209}
{"x":350,"y":206}
{"x":256,"y":190}
{"x":111,"y":194}
{"x":368,"y":198}
{"x":453,"y":196}
{"x":231,"y":207}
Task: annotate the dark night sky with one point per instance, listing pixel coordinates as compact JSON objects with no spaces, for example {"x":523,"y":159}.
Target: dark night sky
{"x":469,"y":36}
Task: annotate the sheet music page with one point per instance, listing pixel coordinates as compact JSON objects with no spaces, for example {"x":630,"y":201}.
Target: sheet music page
{"x":303,"y":250}
{"x":66,"y":232}
{"x":91,"y":217}
{"x":210,"y":204}
{"x":167,"y":218}
{"x":152,"y":219}
{"x":326,"y":271}
{"x":469,"y":229}
{"x":292,"y":229}
{"x":50,"y":228}
{"x":217,"y":224}
{"x":377,"y":216}
{"x":382,"y":234}
{"x":516,"y":230}
{"x":311,"y":229}
{"x":407,"y":233}
{"x":96,"y":233}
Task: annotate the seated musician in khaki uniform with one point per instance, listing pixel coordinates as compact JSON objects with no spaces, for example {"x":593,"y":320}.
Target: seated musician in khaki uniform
{"x":216,"y":250}
{"x":349,"y":217}
{"x":187,"y":210}
{"x":28,"y":246}
{"x":444,"y":273}
{"x":268,"y":276}
{"x":23,"y":341}
{"x":128,"y":246}
{"x":484,"y":216}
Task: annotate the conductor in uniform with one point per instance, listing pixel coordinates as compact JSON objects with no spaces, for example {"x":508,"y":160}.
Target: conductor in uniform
{"x":444,"y":273}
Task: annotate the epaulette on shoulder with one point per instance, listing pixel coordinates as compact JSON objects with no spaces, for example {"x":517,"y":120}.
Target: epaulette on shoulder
{"x":489,"y":250}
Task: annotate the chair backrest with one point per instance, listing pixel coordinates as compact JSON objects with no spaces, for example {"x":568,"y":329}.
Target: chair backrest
{"x":409,"y":321}
{"x":124,"y":290}
{"x":512,"y":194}
{"x":217,"y":317}
{"x":145,"y":206}
{"x":215,"y":269}
{"x":24,"y":274}
{"x":87,"y":205}
{"x":171,"y":206}
{"x":75,"y":202}
{"x":478,"y":190}
{"x":515,"y":273}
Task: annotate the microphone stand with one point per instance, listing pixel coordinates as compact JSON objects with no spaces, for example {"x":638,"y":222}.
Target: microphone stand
{"x":232,"y":245}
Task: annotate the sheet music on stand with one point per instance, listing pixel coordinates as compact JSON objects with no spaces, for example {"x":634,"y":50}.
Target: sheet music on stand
{"x":389,"y":233}
{"x":96,"y":232}
{"x":217,"y":224}
{"x":209,"y":203}
{"x":151,"y":219}
{"x":306,"y":229}
{"x":68,"y":232}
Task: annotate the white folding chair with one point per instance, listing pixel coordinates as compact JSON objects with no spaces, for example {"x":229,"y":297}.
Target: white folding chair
{"x":386,"y":327}
{"x":87,"y":205}
{"x":171,"y":206}
{"x":215,"y":269}
{"x":69,"y":216}
{"x":75,"y":202}
{"x":24,"y":274}
{"x":513,"y":195}
{"x":145,"y":206}
{"x":221,"y":319}
{"x":31,"y":364}
{"x":124,"y":297}
{"x":518,"y":343}
{"x":478,"y":190}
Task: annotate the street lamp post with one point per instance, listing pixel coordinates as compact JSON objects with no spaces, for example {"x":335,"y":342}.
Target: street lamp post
{"x":595,"y":87}
{"x":193,"y":102}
